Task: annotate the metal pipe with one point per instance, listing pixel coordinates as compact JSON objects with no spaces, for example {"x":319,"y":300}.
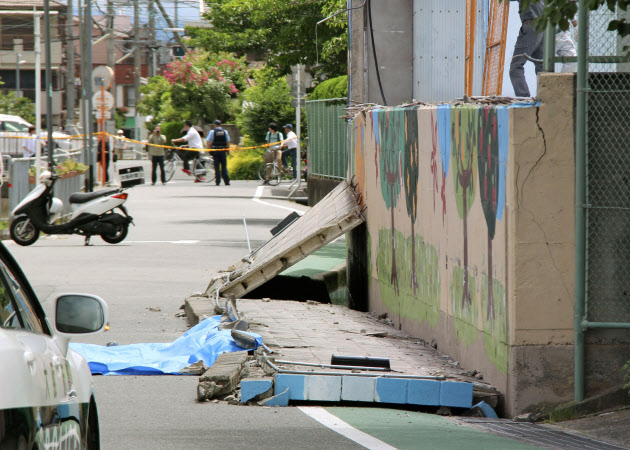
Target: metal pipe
{"x":549,"y":48}
{"x":332,"y":366}
{"x":306,"y":372}
{"x":580,"y":201}
{"x":49,"y":84}
{"x":624,"y":326}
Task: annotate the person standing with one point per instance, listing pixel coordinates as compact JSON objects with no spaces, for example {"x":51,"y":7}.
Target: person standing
{"x":29,"y":146}
{"x":273,"y":136}
{"x":219,"y":138}
{"x":194,"y":141}
{"x":157,"y":154}
{"x":291,"y":144}
{"x":120,"y":145}
{"x":529,"y":43}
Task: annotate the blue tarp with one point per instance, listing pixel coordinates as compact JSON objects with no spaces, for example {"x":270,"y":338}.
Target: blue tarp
{"x":202,"y":342}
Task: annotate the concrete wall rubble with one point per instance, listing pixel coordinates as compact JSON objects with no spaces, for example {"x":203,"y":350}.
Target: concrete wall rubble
{"x":470,"y":234}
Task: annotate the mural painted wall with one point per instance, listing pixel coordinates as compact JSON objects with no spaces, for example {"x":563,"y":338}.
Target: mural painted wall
{"x":434,"y":179}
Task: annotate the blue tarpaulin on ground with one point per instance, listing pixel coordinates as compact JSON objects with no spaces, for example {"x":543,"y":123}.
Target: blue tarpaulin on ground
{"x":202,"y":342}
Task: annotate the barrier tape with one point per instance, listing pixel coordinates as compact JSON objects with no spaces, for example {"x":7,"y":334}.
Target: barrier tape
{"x":103,"y":133}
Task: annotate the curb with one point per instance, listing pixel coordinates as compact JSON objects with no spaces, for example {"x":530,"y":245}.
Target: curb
{"x":616,"y":397}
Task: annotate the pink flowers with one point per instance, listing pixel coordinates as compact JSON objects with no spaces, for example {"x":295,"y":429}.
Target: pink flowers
{"x":190,"y":70}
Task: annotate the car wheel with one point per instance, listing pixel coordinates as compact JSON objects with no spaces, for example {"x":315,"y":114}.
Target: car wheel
{"x":93,"y":432}
{"x":23,"y":231}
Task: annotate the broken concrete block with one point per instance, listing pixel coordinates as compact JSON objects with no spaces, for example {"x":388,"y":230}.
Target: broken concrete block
{"x":481,"y":409}
{"x":244,"y":339}
{"x":324,"y":388}
{"x":256,"y":388}
{"x":358,"y":389}
{"x":223,"y":377}
{"x":391,"y":390}
{"x":424,"y":392}
{"x":456,"y":394}
{"x":205,"y":391}
{"x":281,"y":399}
{"x":296,"y":384}
{"x":194,"y":369}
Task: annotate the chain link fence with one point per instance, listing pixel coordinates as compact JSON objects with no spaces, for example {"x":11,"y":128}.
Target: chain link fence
{"x":327,"y":137}
{"x":607,"y":154}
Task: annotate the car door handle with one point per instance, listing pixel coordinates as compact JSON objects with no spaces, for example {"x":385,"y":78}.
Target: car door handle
{"x":29,"y":358}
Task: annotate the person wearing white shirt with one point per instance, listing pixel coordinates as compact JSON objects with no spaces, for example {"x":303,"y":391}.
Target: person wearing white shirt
{"x":291,"y":144}
{"x":194,"y":141}
{"x":29,"y":147}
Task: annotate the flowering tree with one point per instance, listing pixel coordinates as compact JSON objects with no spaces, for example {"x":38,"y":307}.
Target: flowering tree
{"x":202,"y":85}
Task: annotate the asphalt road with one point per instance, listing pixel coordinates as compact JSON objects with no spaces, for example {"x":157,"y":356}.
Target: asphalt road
{"x":185,"y":233}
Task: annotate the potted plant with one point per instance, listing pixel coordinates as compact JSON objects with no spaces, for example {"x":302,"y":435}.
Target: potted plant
{"x":67,"y":169}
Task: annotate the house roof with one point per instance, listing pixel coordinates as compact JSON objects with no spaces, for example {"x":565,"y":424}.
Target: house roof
{"x":25,"y":5}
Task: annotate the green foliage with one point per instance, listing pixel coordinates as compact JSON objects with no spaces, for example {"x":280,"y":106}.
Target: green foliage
{"x":331,"y":88}
{"x":22,"y":106}
{"x":626,"y":368}
{"x":268,"y":101}
{"x":172,"y":130}
{"x":244,"y":164}
{"x":282,"y":32}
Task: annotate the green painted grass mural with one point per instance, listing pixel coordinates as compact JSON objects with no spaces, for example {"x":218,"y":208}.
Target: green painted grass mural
{"x":495,"y":330}
{"x":465,"y":313}
{"x":424,"y":305}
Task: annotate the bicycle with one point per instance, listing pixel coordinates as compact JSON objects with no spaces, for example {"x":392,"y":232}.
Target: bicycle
{"x":277,"y":173}
{"x":203,"y":165}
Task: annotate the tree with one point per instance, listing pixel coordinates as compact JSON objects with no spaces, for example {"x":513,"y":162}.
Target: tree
{"x":268,"y":101}
{"x":281,"y":32}
{"x":391,"y":129}
{"x":17,"y":106}
{"x":464,"y":143}
{"x":561,"y":12}
{"x":331,"y":88}
{"x":488,"y":163}
{"x":411,"y":182}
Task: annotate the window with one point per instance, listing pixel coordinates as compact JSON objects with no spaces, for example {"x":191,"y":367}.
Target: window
{"x":8,"y":315}
{"x":13,"y":294}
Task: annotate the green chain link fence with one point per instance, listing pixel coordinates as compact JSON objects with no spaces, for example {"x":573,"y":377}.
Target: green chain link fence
{"x":327,"y":132}
{"x":608,"y":172}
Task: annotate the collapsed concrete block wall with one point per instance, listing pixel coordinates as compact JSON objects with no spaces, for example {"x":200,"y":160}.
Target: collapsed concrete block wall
{"x":470,"y":234}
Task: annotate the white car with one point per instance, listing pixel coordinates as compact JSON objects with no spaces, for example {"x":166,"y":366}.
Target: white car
{"x":46,"y":389}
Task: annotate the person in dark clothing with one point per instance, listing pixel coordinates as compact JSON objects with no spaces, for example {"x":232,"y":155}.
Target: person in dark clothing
{"x":530,"y":43}
{"x":219,"y":138}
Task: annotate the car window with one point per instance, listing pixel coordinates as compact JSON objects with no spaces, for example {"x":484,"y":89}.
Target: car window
{"x":15,"y":126}
{"x":26,"y":316}
{"x":8,"y":315}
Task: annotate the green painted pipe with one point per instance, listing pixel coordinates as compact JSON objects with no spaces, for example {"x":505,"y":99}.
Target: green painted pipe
{"x":580,"y":200}
{"x":549,"y":48}
{"x":587,"y":325}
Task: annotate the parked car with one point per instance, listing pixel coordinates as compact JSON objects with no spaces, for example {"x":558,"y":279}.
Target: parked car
{"x":46,"y":389}
{"x":11,"y":125}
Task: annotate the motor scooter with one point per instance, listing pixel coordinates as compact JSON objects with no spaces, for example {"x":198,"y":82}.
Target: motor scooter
{"x":92,"y":214}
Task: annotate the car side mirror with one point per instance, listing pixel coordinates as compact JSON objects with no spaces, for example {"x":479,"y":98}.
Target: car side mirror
{"x":80,"y":314}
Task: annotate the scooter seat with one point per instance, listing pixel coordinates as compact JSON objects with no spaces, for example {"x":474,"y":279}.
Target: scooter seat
{"x":79,"y":197}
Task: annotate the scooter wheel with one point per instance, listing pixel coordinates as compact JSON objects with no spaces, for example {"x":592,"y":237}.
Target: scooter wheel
{"x":118,"y":236}
{"x":23,"y":231}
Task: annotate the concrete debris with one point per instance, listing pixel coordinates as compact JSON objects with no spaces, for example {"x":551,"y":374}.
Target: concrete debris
{"x":243,"y":339}
{"x":281,"y":399}
{"x":180,"y":314}
{"x":479,"y":376}
{"x":256,"y":389}
{"x":529,"y":417}
{"x":240,"y":324}
{"x":194,"y":369}
{"x":112,"y":344}
{"x":312,"y":302}
{"x":481,"y":409}
{"x":154,"y":309}
{"x":223,"y":377}
{"x":379,"y":334}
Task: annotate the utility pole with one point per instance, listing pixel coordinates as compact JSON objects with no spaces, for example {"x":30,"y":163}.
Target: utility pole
{"x":70,"y":91}
{"x":137,"y":59}
{"x":111,"y":62}
{"x":86,"y":91}
{"x":152,"y":57}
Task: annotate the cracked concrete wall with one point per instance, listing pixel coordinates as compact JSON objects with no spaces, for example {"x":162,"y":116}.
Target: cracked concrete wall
{"x":467,"y":196}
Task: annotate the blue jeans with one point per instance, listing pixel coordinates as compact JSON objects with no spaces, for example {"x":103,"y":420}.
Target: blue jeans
{"x":292,"y":152}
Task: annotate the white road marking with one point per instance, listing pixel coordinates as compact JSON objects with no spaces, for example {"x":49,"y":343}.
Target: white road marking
{"x":258,"y":194}
{"x":163,"y":242}
{"x":343,"y":428}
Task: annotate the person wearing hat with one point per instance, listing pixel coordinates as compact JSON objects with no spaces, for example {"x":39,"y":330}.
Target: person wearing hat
{"x":219,"y":138}
{"x":291,"y":144}
{"x":120,"y":145}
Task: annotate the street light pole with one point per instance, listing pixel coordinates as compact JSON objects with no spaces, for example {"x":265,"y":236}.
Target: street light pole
{"x":49,"y":87}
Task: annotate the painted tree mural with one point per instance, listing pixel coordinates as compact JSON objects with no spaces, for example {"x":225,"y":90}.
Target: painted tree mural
{"x":391,"y":130}
{"x":411,"y":182}
{"x":463,"y":145}
{"x":488,"y":162}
